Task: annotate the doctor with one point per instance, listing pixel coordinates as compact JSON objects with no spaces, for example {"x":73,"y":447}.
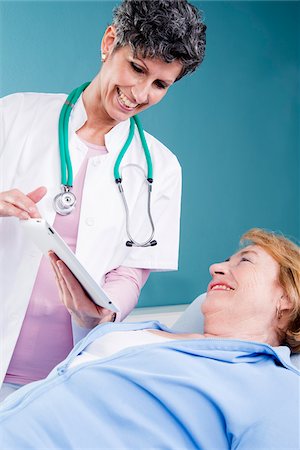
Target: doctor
{"x":148,"y":47}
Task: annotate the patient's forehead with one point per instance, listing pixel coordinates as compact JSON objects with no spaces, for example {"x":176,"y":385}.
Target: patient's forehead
{"x":254,"y":249}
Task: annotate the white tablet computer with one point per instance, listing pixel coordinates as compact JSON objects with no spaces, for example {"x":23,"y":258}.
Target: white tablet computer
{"x":46,"y":239}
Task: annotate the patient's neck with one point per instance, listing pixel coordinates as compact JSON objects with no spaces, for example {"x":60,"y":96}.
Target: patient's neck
{"x":266,"y":338}
{"x":269,"y":337}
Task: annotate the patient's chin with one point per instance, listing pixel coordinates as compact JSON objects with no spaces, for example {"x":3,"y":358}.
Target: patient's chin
{"x":216,"y":305}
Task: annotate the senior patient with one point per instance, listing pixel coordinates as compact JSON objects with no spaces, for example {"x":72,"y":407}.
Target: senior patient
{"x":134,"y":386}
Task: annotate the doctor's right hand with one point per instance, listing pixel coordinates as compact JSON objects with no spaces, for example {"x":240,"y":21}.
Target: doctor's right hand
{"x":14,"y":203}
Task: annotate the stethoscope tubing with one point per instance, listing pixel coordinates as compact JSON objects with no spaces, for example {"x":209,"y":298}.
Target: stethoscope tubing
{"x":146,"y":148}
{"x":63,"y":135}
{"x":134,"y":120}
{"x":118,"y":178}
{"x":67,"y":171}
{"x":131,"y":241}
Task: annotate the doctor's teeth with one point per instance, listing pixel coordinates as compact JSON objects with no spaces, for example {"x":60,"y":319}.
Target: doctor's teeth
{"x":125,"y":100}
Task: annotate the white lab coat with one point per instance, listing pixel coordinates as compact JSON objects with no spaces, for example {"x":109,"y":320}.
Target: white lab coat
{"x":30,"y":158}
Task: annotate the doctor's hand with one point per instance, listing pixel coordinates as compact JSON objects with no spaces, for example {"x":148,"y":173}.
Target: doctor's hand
{"x":84,"y":311}
{"x":14,"y":203}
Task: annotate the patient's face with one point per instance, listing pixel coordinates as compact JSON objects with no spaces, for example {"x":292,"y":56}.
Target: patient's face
{"x":244,"y":288}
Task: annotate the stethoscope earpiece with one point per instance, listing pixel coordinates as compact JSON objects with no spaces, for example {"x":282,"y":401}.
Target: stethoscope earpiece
{"x":149,"y":244}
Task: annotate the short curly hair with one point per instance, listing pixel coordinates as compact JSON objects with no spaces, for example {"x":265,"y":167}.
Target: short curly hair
{"x":166,"y":29}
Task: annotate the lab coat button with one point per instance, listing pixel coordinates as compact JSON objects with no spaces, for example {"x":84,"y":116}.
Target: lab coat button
{"x":90,"y":221}
{"x":96,"y":162}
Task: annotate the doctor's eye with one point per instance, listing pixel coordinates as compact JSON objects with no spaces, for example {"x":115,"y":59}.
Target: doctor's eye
{"x":160,"y":84}
{"x":136,"y":68}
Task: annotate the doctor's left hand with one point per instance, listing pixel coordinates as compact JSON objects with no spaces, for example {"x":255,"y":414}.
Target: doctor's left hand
{"x":84,"y":311}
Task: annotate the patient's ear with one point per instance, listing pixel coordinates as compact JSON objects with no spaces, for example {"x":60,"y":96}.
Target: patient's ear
{"x":285,"y":303}
{"x":283,"y":309}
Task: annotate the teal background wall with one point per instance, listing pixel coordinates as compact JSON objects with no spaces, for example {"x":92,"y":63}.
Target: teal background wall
{"x":234,"y":124}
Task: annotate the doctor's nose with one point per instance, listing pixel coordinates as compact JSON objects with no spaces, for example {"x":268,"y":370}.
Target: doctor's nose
{"x":141,"y":94}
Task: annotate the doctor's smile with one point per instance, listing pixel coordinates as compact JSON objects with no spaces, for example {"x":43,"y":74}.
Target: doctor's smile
{"x":130,"y":84}
{"x":84,"y":143}
{"x":125,"y":102}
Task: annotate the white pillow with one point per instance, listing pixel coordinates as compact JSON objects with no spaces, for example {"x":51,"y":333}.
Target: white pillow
{"x":191,"y":321}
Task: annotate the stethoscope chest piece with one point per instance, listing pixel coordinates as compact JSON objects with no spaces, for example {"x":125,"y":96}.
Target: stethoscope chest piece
{"x":64,"y":203}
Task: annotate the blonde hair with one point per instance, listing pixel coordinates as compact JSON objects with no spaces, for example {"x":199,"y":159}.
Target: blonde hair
{"x":287,"y":254}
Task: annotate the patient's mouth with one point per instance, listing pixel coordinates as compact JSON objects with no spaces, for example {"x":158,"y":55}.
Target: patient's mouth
{"x":221,"y":287}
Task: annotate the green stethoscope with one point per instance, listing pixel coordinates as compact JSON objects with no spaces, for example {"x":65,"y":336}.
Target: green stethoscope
{"x":64,"y":203}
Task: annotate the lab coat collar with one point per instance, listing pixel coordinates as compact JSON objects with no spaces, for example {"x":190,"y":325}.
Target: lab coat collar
{"x":114,"y":139}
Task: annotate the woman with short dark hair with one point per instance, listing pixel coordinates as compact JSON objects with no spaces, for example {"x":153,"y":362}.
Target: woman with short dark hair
{"x":118,"y":238}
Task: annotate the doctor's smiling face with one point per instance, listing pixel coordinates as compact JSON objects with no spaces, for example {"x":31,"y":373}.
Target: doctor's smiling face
{"x":128,"y":84}
{"x":244,"y":293}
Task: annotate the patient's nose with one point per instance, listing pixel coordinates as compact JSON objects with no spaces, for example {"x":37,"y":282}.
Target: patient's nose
{"x":218,"y":268}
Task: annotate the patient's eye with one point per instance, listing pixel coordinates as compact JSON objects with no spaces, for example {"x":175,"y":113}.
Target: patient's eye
{"x":245,"y":259}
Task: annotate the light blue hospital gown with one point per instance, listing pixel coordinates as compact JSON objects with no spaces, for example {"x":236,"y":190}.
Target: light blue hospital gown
{"x":183,"y":394}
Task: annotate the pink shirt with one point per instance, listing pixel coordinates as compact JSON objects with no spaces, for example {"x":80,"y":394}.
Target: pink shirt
{"x":46,"y":335}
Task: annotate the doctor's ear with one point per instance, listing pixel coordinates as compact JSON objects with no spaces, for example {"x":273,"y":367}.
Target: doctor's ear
{"x":108,"y":41}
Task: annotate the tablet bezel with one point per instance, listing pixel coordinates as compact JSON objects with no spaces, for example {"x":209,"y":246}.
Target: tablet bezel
{"x":46,"y":238}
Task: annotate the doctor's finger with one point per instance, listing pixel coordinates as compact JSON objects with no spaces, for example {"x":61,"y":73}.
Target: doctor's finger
{"x":63,"y":275}
{"x":37,"y":194}
{"x":57,"y":277}
{"x":81,"y":303}
{"x":86,"y":313}
{"x":53,"y":259}
{"x":9,"y":210}
{"x":16,"y":203}
{"x":74,"y":288}
{"x":73,"y":293}
{"x":66,"y":296}
{"x":64,"y":293}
